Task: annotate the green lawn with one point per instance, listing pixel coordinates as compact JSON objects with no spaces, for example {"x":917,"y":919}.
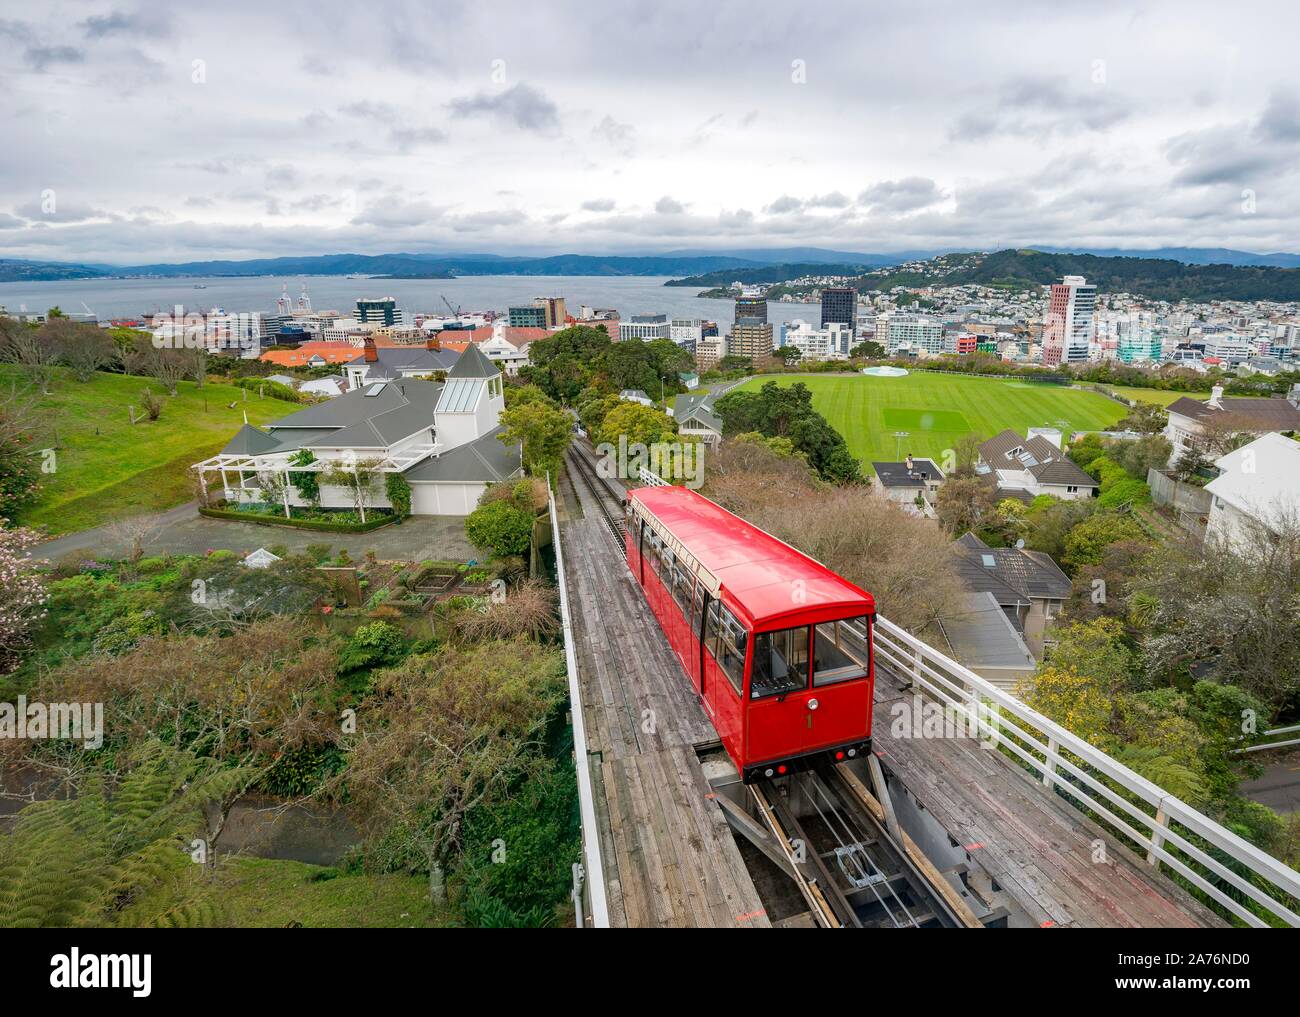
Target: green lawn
{"x":107,"y":468}
{"x":262,"y":893}
{"x":1154,"y":395}
{"x":937,"y":409}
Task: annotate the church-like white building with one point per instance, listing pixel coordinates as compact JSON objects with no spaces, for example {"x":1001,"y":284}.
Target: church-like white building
{"x":440,"y":436}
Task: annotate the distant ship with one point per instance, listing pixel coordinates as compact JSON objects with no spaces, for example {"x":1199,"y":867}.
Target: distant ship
{"x":200,"y":286}
{"x":356,"y":275}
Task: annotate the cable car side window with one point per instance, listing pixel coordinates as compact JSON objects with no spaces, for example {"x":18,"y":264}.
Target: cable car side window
{"x":841,"y":651}
{"x":682,"y":583}
{"x":780,"y":663}
{"x":729,"y":650}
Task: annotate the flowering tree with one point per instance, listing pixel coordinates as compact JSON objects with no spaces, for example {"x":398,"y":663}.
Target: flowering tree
{"x":22,"y":592}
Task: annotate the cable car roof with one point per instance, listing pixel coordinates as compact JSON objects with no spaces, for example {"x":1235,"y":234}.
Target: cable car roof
{"x":767,"y":578}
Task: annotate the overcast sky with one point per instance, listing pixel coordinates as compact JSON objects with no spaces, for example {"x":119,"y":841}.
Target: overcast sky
{"x":167,"y":132}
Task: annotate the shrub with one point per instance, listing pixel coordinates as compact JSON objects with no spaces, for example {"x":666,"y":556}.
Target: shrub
{"x":500,"y":528}
{"x":399,"y":494}
{"x":319,"y":553}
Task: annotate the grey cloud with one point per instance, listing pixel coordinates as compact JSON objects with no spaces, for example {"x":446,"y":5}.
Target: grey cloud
{"x":784,"y":205}
{"x":367,"y":109}
{"x":1280,"y":120}
{"x":520,"y":106}
{"x":598,"y":205}
{"x":396,"y":213}
{"x":906,"y":195}
{"x":621,"y":136}
{"x":669,"y":206}
{"x":154,"y":24}
{"x":1042,"y":106}
{"x":407,"y":138}
{"x":43,"y":57}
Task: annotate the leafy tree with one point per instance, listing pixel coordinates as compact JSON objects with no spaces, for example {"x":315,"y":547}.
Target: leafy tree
{"x":1050,"y":521}
{"x":964,"y":503}
{"x":520,"y":395}
{"x":563,"y":363}
{"x":449,"y":733}
{"x":1150,"y":452}
{"x":1145,"y":418}
{"x":1086,"y":542}
{"x":789,"y":355}
{"x":30,"y":352}
{"x":544,"y":431}
{"x":777,"y":411}
{"x":639,"y":423}
{"x":500,"y":528}
{"x":868,"y":349}
{"x":358,"y":477}
{"x":307,"y":482}
{"x":84,"y":349}
{"x":19,"y":466}
{"x":398,"y":490}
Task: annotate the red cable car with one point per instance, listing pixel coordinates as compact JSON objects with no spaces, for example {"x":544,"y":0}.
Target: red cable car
{"x":777,"y":646}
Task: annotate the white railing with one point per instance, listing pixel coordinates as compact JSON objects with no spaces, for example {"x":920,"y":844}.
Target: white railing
{"x":1089,"y":779}
{"x":652,"y":479}
{"x":589,"y":884}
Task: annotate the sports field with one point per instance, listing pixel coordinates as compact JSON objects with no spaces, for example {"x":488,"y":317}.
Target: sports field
{"x":937,"y":409}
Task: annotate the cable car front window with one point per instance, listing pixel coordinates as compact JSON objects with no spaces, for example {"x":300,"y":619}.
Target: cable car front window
{"x":780,"y":663}
{"x":841,"y":651}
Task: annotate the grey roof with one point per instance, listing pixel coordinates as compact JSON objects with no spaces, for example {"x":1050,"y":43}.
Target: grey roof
{"x":1011,"y":574}
{"x":393,"y":360}
{"x":483,"y":460}
{"x":473,"y":364}
{"x":250,"y":441}
{"x":981,"y":635}
{"x":1062,"y":471}
{"x":898,"y":475}
{"x":394,"y":410}
{"x":1262,"y":414}
{"x":998,"y":451}
{"x":697,"y":406}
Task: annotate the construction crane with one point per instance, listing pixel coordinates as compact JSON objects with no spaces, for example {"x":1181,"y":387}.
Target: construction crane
{"x":455,"y":311}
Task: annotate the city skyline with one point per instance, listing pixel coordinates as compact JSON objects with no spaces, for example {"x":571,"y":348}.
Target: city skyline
{"x":142,"y":133}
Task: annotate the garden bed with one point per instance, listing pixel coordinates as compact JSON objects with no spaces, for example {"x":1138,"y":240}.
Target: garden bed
{"x":373,"y":523}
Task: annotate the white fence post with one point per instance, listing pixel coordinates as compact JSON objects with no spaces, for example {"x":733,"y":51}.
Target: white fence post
{"x":1049,"y":764}
{"x":1157,"y":838}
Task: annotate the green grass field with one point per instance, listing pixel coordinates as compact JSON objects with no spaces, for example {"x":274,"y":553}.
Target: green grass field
{"x":107,"y":468}
{"x":1154,"y":395}
{"x":938,"y":409}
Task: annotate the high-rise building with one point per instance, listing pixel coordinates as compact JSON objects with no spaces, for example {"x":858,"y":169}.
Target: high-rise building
{"x":709,"y":351}
{"x":377,"y":311}
{"x":645,"y":326}
{"x":526,"y":317}
{"x":839,"y":306}
{"x":1067,"y":330}
{"x":750,"y":338}
{"x":553,"y":308}
{"x":910,"y":335}
{"x":751,"y":305}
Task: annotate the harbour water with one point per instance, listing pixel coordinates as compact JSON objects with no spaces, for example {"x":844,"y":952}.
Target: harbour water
{"x":122,"y":298}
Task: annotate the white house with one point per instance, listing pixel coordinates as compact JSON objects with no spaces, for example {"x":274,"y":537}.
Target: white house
{"x":1036,"y":465}
{"x":440,"y":436}
{"x":1257,"y":490}
{"x":906,"y":481}
{"x":1190,"y":419}
{"x":695,"y":417}
{"x":635,"y":395}
{"x":508,"y":347}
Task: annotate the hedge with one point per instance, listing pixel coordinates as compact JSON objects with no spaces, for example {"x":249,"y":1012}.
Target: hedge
{"x":301,"y":524}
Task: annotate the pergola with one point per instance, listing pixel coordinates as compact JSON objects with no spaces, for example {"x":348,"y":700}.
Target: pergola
{"x":280,"y":462}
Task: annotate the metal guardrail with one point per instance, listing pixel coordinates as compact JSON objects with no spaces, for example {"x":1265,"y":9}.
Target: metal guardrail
{"x":1089,"y":779}
{"x":1261,"y":746}
{"x":590,"y":903}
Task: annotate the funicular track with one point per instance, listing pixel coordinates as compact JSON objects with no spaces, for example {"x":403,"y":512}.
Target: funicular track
{"x":592,"y":489}
{"x":850,"y":868}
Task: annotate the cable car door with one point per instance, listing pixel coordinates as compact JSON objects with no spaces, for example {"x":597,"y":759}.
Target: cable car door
{"x":781,"y":704}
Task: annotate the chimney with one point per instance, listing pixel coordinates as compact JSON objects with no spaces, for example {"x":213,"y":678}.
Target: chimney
{"x":909,"y":462}
{"x":434,"y":342}
{"x":371,"y":354}
{"x":1216,"y":397}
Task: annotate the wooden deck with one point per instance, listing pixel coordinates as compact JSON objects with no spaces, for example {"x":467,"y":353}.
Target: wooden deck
{"x":1038,"y":849}
{"x":669,"y":856}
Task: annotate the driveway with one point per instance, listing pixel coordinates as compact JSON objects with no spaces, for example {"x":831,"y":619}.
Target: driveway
{"x":183,"y":531}
{"x":1278,"y":786}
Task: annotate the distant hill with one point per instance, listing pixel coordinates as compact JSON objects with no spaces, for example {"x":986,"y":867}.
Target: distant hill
{"x":31,"y":271}
{"x":1156,"y":278}
{"x":1187,"y":255}
{"x":768,"y":275}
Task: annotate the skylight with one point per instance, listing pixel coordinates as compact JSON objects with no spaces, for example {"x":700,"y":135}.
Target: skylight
{"x":989,"y":561}
{"x":375,"y":389}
